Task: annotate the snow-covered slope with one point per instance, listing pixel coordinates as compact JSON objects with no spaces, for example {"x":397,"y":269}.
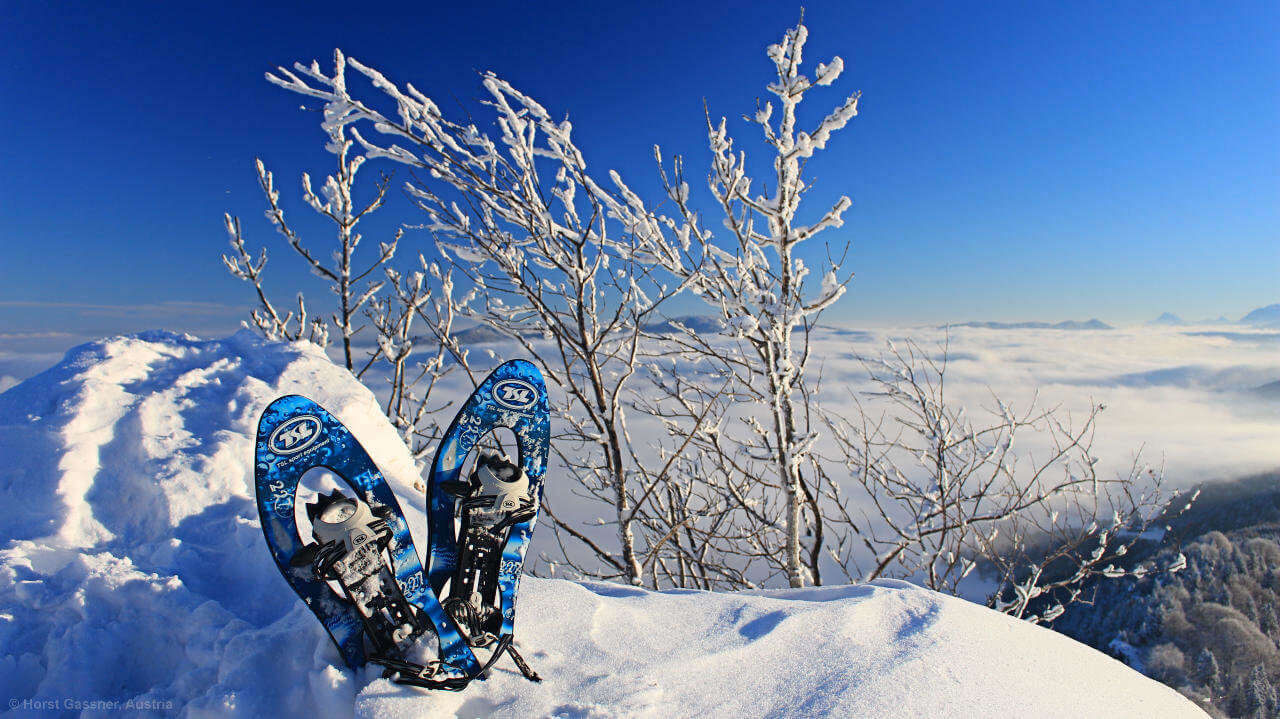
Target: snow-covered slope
{"x":134,"y":574}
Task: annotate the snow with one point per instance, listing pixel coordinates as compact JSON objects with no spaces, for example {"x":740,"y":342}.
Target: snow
{"x":134,"y":575}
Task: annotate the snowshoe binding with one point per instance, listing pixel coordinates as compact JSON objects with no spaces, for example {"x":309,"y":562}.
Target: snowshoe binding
{"x":350,"y":550}
{"x":495,"y":498}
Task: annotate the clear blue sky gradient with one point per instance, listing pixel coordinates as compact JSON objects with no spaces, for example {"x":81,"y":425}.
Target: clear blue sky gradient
{"x":1011,"y":160}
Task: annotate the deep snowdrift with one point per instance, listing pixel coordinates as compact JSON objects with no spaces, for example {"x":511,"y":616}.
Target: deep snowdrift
{"x":135,"y":575}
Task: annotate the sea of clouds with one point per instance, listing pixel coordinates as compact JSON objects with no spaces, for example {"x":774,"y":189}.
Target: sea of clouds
{"x":1192,"y":398}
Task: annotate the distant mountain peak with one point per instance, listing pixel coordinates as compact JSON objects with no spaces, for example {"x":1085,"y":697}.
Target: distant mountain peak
{"x":700,"y":324}
{"x":1167,"y":318}
{"x":1091,"y":324}
{"x":1268,"y":316}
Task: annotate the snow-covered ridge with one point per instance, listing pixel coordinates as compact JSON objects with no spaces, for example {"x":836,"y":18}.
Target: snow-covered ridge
{"x":134,"y":574}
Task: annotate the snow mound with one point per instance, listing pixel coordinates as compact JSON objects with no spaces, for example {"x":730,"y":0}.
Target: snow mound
{"x":134,"y":577}
{"x":884,"y":649}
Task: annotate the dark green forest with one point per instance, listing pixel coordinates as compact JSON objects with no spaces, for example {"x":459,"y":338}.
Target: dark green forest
{"x":1210,"y":630}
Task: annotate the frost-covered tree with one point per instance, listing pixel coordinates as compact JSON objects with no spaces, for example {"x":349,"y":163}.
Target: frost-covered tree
{"x":758,"y":285}
{"x":557,"y":272}
{"x":425,"y":298}
{"x":266,"y":319}
{"x":1260,"y":701}
{"x":1206,"y":671}
{"x":950,"y":493}
{"x":342,"y":271}
{"x":419,"y":311}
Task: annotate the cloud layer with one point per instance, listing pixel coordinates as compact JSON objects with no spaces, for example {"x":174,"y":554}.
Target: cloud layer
{"x":1184,"y":395}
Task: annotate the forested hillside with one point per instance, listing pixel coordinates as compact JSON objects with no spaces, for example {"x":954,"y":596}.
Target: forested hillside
{"x":1212,"y":630}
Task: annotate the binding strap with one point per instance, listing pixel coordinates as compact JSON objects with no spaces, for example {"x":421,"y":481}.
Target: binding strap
{"x":419,"y":675}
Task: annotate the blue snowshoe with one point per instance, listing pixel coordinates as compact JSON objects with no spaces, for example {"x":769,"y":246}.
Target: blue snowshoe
{"x":480,"y":526}
{"x":361,"y":574}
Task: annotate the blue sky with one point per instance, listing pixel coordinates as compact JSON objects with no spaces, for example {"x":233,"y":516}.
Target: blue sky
{"x":1012,"y":160}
